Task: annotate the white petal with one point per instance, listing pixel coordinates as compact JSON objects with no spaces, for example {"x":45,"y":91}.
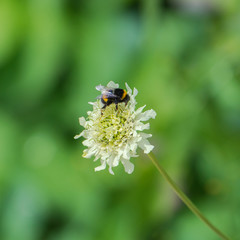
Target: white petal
{"x":125,"y":151}
{"x":116,"y":161}
{"x":145,"y":135}
{"x":128,"y":166}
{"x":110,"y":161}
{"x":135,"y":92}
{"x":82,"y":121}
{"x":79,"y":135}
{"x":133,"y":147}
{"x":88,"y":142}
{"x":92,"y":103}
{"x":87,"y":153}
{"x":129,"y":90}
{"x":101,"y":167}
{"x":113,"y":85}
{"x":84,"y":133}
{"x":139,"y":110}
{"x":140,"y":126}
{"x":145,"y":146}
{"x":110,"y":170}
{"x":147,"y":115}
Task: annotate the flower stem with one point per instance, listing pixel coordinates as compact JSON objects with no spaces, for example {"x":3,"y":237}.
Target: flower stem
{"x":184,"y":198}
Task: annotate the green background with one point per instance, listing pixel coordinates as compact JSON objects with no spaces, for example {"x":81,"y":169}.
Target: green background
{"x":182,"y":56}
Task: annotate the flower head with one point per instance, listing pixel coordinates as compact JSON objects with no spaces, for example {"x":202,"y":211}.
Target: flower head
{"x":112,"y":135}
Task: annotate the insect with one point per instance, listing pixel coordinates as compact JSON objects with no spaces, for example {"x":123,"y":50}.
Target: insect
{"x":112,"y":95}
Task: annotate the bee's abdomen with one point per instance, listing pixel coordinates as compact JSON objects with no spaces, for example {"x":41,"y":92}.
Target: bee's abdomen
{"x":119,"y":92}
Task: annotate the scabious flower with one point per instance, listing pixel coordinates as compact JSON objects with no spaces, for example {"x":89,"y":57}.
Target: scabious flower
{"x":112,"y":135}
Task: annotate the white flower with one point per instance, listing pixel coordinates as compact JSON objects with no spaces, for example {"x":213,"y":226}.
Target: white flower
{"x":115,"y":135}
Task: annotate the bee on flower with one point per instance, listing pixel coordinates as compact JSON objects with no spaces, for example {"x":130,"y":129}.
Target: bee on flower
{"x":112,"y":95}
{"x":113,"y":129}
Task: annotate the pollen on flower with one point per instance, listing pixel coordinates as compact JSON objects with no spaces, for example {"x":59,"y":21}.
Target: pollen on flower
{"x":112,"y":135}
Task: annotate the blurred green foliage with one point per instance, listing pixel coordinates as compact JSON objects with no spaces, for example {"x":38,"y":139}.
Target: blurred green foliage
{"x":182,"y":56}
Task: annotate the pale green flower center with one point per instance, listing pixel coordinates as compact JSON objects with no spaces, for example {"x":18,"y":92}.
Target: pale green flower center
{"x":113,"y":127}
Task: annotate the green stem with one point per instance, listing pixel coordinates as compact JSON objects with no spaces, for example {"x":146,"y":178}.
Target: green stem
{"x":184,"y":198}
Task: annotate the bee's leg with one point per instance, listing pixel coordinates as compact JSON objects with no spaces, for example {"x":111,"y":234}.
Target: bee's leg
{"x":103,"y":109}
{"x":116,"y":106}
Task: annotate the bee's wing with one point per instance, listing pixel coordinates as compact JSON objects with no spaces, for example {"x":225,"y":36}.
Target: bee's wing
{"x":106,"y":94}
{"x":99,"y":87}
{"x":103,"y":88}
{"x":109,"y":94}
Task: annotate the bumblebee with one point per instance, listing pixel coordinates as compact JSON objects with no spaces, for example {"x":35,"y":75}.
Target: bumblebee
{"x":112,"y":95}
